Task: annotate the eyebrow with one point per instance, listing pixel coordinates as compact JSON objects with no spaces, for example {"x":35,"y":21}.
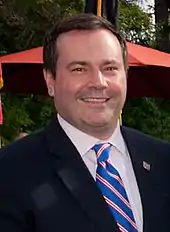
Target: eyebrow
{"x":107,"y":62}
{"x":83,"y":63}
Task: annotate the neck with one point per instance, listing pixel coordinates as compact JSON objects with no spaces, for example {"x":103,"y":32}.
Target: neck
{"x":101,"y":133}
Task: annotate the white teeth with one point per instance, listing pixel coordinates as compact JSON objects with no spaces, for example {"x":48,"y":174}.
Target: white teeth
{"x":94,"y":99}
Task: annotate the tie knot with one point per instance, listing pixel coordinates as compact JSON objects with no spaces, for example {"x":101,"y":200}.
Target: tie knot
{"x":102,"y":151}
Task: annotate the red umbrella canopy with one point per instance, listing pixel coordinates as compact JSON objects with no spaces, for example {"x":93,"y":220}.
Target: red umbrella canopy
{"x":22,"y":72}
{"x":148,"y":75}
{"x":31,"y":56}
{"x":141,"y":55}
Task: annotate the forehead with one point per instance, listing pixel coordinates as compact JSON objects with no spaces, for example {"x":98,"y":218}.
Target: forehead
{"x":91,"y":45}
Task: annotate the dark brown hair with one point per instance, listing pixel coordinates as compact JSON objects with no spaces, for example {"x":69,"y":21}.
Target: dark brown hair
{"x":77,"y":22}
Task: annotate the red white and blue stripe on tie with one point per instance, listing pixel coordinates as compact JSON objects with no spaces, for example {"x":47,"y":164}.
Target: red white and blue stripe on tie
{"x":113,"y":191}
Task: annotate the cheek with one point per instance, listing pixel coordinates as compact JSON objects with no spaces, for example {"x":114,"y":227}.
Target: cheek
{"x":65,"y":90}
{"x":120,"y":84}
{"x":118,"y":88}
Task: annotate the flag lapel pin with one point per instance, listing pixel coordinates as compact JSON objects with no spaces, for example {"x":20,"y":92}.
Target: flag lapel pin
{"x":146,"y":166}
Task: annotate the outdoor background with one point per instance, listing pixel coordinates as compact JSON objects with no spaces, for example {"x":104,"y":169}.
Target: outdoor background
{"x":23,"y":25}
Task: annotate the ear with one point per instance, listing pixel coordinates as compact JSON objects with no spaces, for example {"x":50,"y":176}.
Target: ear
{"x":49,"y":79}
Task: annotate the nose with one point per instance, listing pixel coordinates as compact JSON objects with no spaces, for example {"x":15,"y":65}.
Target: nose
{"x":98,"y":80}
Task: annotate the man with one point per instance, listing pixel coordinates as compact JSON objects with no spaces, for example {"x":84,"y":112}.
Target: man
{"x":58,"y":179}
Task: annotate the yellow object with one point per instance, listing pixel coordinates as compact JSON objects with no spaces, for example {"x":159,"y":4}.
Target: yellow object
{"x":120,"y":118}
{"x":1,"y":82}
{"x":99,"y":8}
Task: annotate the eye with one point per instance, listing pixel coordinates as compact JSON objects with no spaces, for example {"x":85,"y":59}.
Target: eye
{"x":79,"y":69}
{"x":110,"y":68}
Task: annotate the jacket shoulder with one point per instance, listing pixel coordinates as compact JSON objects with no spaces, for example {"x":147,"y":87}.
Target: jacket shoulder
{"x":145,"y":143}
{"x":142,"y":137}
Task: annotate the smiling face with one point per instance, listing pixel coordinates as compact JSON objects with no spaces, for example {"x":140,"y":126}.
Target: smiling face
{"x":89,"y":88}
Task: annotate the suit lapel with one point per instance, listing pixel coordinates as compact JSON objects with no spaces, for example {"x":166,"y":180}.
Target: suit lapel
{"x":143,"y":174}
{"x":74,"y":174}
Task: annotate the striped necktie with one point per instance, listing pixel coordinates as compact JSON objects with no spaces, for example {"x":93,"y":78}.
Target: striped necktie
{"x":113,"y":191}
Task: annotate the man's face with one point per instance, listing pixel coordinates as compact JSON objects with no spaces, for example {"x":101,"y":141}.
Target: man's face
{"x":89,"y":89}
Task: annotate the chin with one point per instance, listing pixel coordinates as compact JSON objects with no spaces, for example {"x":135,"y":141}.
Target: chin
{"x":97,"y":122}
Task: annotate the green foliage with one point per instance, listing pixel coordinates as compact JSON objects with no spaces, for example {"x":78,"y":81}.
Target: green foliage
{"x":24,"y":23}
{"x":148,"y":115}
{"x":24,"y":114}
{"x":15,"y":117}
{"x":136,"y":25}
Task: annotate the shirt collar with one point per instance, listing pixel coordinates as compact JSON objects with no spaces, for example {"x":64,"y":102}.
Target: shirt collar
{"x":84,"y":142}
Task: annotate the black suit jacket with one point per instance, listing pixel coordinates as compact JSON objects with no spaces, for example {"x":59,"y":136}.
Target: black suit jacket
{"x":46,"y":187}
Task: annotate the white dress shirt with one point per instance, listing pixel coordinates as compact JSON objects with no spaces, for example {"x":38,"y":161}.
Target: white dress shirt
{"x":118,"y":157}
